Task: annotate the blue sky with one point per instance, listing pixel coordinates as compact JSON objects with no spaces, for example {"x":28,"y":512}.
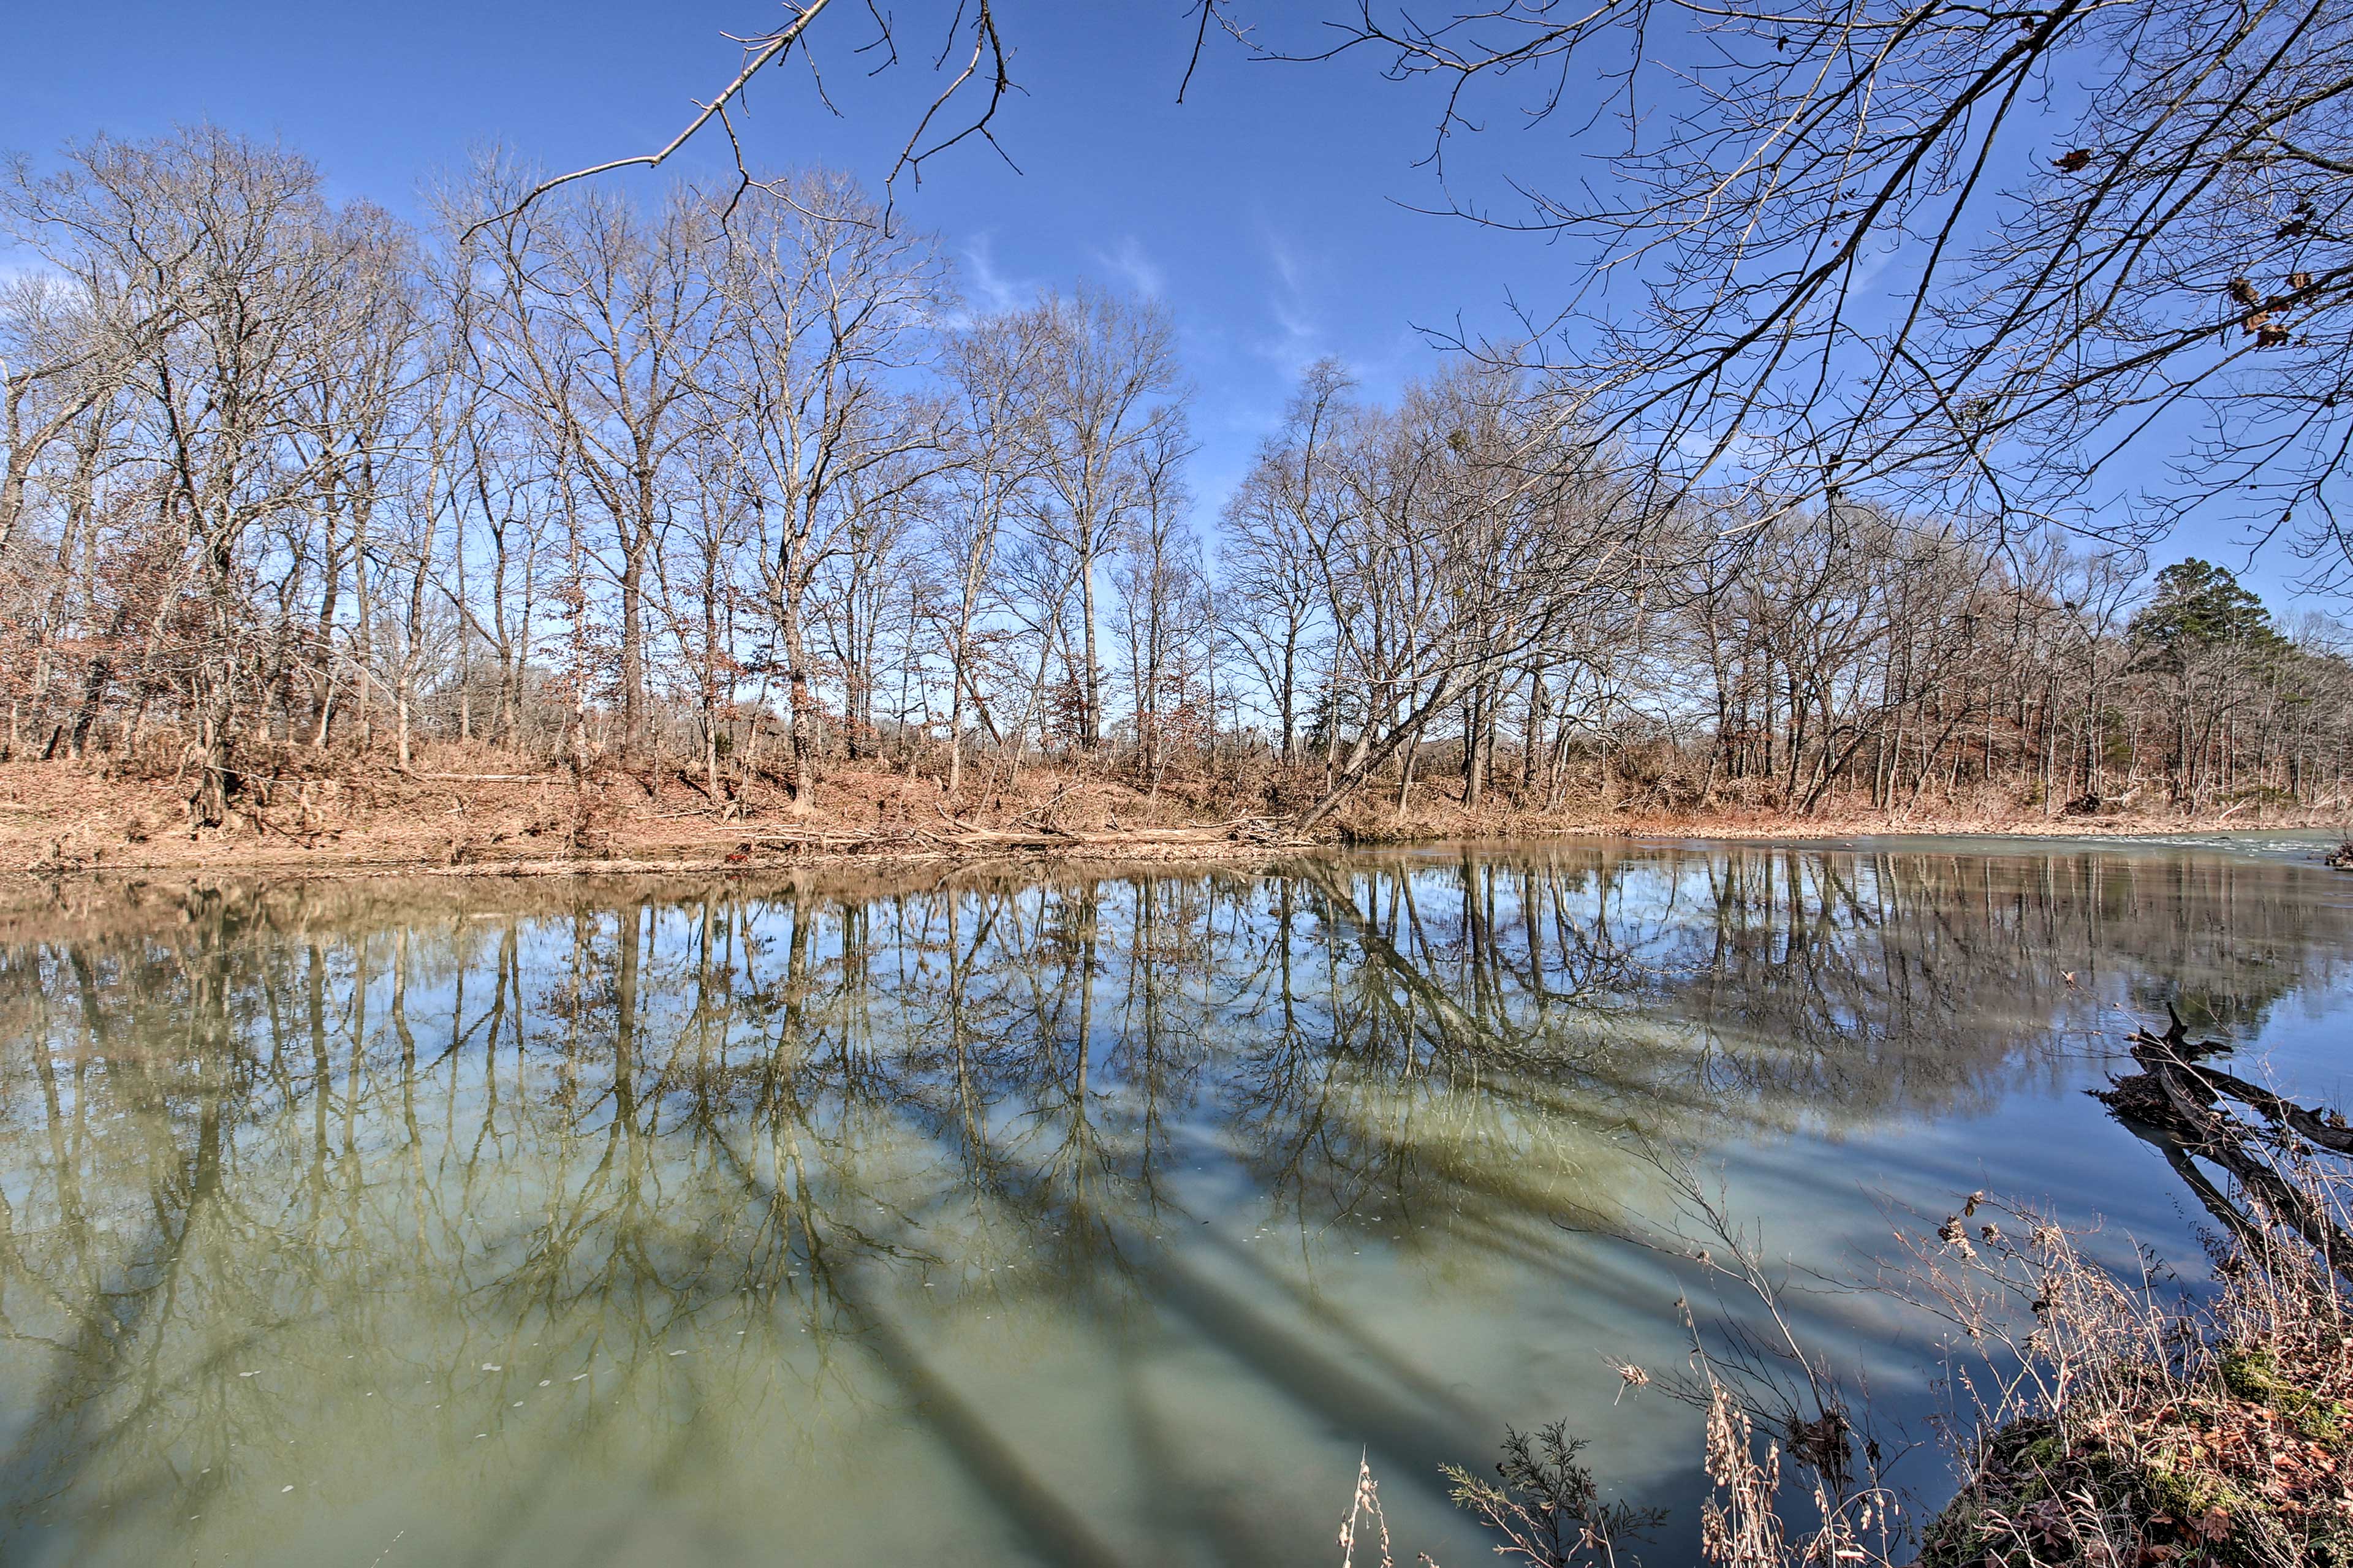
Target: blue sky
{"x":1272,"y":211}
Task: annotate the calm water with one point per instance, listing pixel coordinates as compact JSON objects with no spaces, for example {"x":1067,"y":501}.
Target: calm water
{"x":1093,"y":1218}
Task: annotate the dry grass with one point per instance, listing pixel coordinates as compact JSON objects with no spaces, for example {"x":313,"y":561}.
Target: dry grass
{"x":1747,"y":1523}
{"x":1365,"y":1524}
{"x":2109,"y":1419}
{"x":2116,"y":1429}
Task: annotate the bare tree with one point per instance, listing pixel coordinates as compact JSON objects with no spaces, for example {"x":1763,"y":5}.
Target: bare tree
{"x":991,"y":365}
{"x":1897,"y":250}
{"x":229,"y":252}
{"x":603,"y":325}
{"x":1164,"y":623}
{"x":829,"y":311}
{"x":1267,"y":563}
{"x":1107,"y":382}
{"x":1466,"y":534}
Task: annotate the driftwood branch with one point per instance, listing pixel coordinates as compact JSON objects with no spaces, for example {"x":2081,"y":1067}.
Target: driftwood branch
{"x":2187,"y":1104}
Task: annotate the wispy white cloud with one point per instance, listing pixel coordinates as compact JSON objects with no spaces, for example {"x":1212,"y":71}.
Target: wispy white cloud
{"x":1133,"y":262}
{"x":990,"y":288}
{"x":1288,"y":264}
{"x":1299,"y":334}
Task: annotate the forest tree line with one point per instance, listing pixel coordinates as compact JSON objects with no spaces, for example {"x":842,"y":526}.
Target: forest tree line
{"x":742,"y":489}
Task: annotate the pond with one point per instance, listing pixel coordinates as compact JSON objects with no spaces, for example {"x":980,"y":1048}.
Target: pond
{"x":1080,"y":1215}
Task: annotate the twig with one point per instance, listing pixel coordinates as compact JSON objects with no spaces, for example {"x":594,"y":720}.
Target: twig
{"x":763,"y":50}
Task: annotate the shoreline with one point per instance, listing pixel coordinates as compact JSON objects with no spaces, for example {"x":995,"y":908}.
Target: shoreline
{"x":769,"y":850}
{"x":57,"y":822}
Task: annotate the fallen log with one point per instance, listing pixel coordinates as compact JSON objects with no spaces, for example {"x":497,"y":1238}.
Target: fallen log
{"x":2186,"y":1103}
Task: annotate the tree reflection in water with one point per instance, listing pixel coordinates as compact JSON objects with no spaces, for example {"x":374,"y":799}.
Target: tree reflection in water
{"x":1063,"y":1217}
